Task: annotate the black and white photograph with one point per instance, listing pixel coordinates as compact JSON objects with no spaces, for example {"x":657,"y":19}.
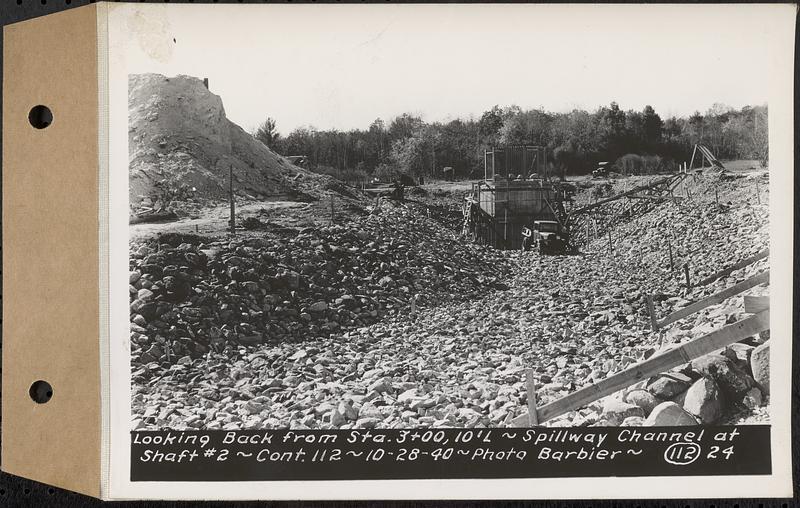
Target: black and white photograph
{"x":427,"y":217}
{"x":427,"y":268}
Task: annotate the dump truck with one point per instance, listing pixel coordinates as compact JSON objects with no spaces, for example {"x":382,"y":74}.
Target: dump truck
{"x":545,"y":237}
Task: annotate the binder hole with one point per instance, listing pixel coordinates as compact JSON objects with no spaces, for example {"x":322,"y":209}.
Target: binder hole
{"x":40,"y":117}
{"x":41,"y":392}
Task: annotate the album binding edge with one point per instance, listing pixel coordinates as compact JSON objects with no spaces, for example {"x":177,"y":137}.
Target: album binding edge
{"x":51,"y":330}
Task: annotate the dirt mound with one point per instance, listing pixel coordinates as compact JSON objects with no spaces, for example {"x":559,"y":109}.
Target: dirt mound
{"x":182,"y":146}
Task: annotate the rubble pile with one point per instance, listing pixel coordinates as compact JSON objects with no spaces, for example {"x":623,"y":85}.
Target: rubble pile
{"x":707,"y":234}
{"x":457,"y":359}
{"x":190,"y":295}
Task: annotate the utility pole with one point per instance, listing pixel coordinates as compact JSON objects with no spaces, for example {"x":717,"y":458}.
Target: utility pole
{"x":233,"y":203}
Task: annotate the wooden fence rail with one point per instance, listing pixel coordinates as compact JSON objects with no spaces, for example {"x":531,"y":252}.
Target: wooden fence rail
{"x":738,"y":266}
{"x":714,"y":299}
{"x":643,"y":370}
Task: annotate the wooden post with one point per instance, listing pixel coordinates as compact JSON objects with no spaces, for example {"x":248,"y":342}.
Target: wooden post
{"x":758,"y":192}
{"x":761,"y":278}
{"x":610,"y":243}
{"x":716,"y":196}
{"x":232,"y":201}
{"x":669,"y":248}
{"x":505,"y":221}
{"x":691,"y":164}
{"x":741,"y":264}
{"x":530,"y":385}
{"x":686,"y":274}
{"x":756,"y":304}
{"x":652,"y":311}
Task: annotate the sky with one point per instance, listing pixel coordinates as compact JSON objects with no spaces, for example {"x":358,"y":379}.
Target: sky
{"x":343,"y":66}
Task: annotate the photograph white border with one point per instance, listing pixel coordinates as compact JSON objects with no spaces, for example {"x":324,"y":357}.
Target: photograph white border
{"x":779,"y":84}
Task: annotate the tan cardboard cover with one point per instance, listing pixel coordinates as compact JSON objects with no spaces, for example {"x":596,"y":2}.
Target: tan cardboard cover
{"x":50,"y":259}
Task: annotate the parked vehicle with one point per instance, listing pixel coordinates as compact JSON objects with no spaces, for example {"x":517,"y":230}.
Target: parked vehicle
{"x":546,"y":237}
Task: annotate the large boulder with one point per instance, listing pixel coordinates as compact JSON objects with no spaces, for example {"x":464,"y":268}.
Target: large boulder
{"x":669,"y":414}
{"x":704,"y":400}
{"x":633,"y":421}
{"x":369,"y":410}
{"x":759,"y":364}
{"x":739,"y":353}
{"x":669,"y":385}
{"x":615,"y":411}
{"x":381,"y":385}
{"x":732,"y":380}
{"x":644,"y":399}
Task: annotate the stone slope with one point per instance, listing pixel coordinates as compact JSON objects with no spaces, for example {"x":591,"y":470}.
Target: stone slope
{"x":335,"y":344}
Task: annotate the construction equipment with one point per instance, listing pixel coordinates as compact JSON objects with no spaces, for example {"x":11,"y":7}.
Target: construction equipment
{"x":705,"y":155}
{"x":545,"y":237}
{"x":602,"y":170}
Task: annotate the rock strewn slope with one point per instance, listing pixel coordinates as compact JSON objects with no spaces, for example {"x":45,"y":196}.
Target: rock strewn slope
{"x":574,"y":319}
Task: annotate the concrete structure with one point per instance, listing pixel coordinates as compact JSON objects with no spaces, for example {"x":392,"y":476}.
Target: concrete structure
{"x":516,"y":191}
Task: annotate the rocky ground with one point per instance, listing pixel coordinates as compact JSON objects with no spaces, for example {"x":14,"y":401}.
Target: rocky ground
{"x":390,"y":320}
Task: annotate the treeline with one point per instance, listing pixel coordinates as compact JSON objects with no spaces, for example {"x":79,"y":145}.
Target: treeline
{"x":637,"y":141}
